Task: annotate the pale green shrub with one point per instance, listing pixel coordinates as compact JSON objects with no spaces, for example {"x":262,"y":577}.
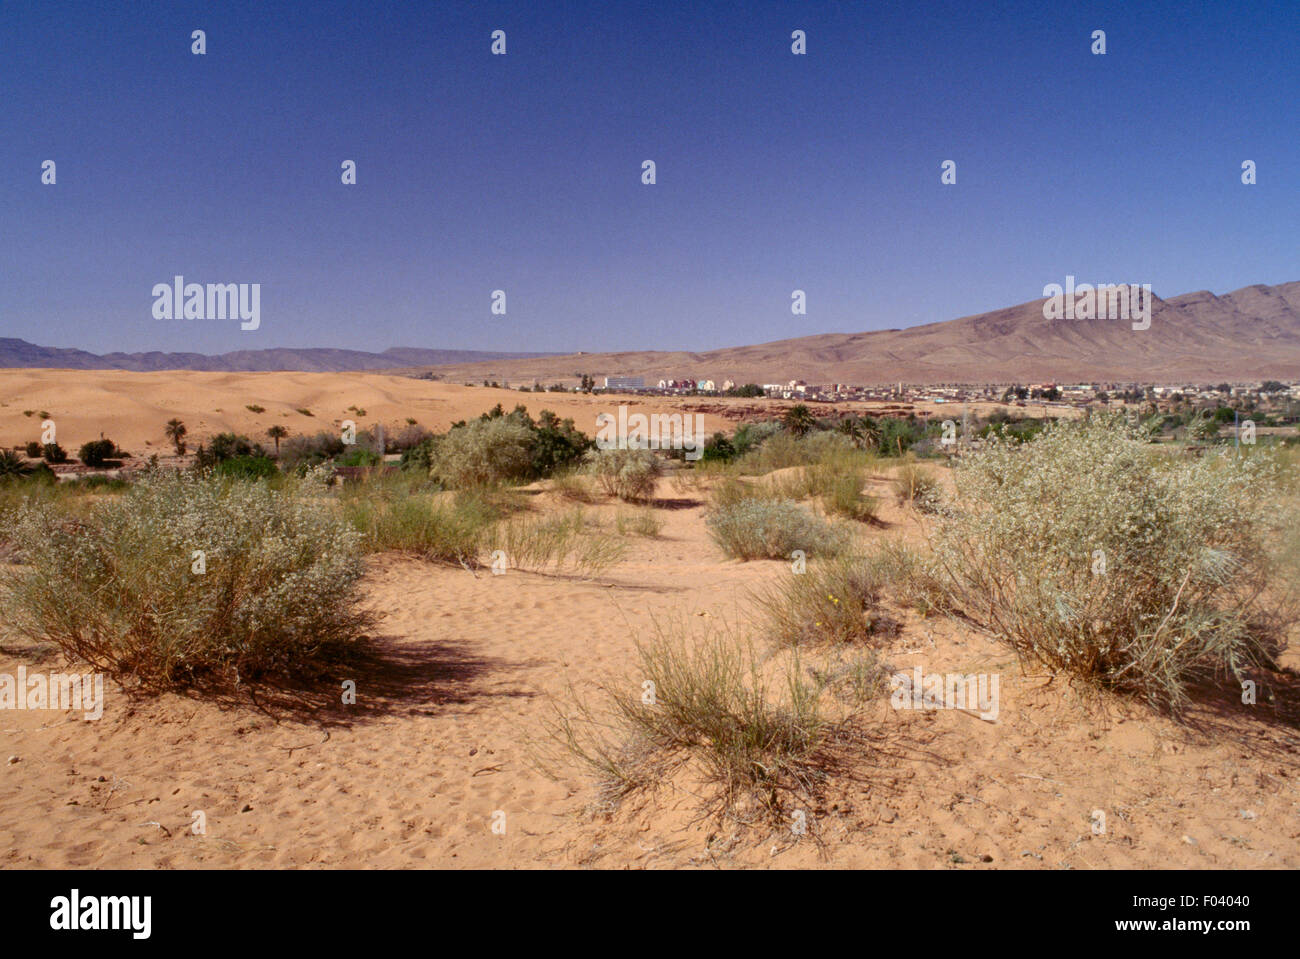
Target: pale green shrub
{"x":483,"y":452}
{"x":771,"y":529}
{"x":1184,"y":542}
{"x":116,"y":588}
{"x":628,"y":474}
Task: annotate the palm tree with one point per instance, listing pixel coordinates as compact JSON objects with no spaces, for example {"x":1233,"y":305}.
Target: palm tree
{"x":277,"y":433}
{"x":799,"y":419}
{"x":176,"y":431}
{"x":11,"y":464}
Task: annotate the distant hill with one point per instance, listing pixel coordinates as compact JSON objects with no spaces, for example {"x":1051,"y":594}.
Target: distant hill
{"x":1252,"y":333}
{"x":19,"y":354}
{"x":1249,"y":334}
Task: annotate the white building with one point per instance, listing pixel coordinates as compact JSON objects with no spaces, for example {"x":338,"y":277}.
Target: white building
{"x":626,"y":383}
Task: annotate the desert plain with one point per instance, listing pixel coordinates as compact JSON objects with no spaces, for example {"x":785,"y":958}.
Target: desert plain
{"x":452,"y":727}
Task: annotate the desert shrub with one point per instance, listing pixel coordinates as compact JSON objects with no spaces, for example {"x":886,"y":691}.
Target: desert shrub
{"x":628,"y":474}
{"x":116,"y":588}
{"x":1020,"y":430}
{"x":641,"y":522}
{"x":759,"y":738}
{"x":359,"y":455}
{"x":54,"y":453}
{"x":897,"y":435}
{"x":19,"y":490}
{"x":1095,"y":553}
{"x":833,"y":601}
{"x":732,"y":490}
{"x":247,"y":468}
{"x":557,"y":445}
{"x":688,"y":479}
{"x":717,"y":448}
{"x":98,"y":483}
{"x":826,"y":446}
{"x":97,"y":452}
{"x":408,"y":437}
{"x":449,"y":532}
{"x":843,"y":496}
{"x":483,"y":452}
{"x":914,"y":577}
{"x":916,"y":486}
{"x":572,"y":485}
{"x":780,"y":450}
{"x":771,"y":529}
{"x":34,"y":450}
{"x":836,"y":479}
{"x":557,"y":542}
{"x":303,"y":451}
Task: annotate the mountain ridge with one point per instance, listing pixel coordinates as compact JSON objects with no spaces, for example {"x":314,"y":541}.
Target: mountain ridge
{"x":1250,"y":333}
{"x":20,"y":354}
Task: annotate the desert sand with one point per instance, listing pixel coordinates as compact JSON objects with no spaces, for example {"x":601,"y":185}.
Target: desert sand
{"x":132,"y":408}
{"x":451,"y":717}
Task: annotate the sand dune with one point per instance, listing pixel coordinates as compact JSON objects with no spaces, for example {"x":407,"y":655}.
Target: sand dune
{"x":132,"y":408}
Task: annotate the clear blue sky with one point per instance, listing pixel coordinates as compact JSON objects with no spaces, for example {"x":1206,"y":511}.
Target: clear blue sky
{"x":775,"y":172}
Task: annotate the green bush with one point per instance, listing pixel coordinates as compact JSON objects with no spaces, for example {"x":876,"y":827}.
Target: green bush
{"x":897,"y":435}
{"x":97,"y":452}
{"x":359,"y":456}
{"x":54,"y":453}
{"x":225,"y":446}
{"x":247,"y":468}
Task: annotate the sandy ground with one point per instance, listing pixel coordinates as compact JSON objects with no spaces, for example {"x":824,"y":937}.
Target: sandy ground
{"x":443,"y":742}
{"x":132,"y":409}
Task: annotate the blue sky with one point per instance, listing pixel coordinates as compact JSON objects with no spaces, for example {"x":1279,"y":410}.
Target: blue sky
{"x":522,"y":172}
